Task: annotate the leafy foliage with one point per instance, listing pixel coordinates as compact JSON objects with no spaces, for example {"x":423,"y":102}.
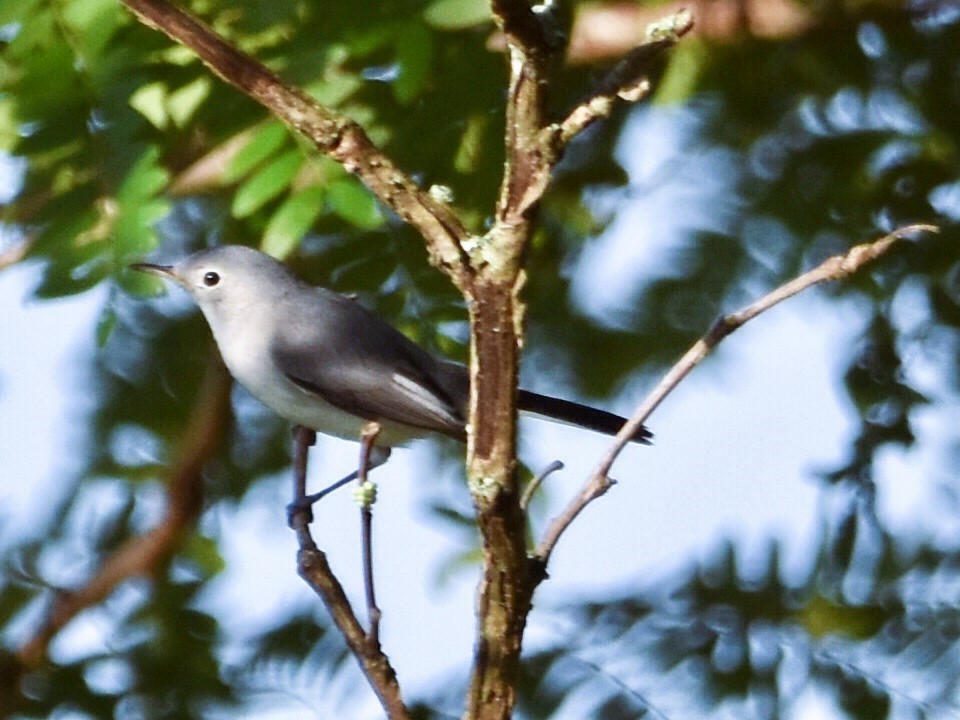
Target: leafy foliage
{"x":724,"y":638}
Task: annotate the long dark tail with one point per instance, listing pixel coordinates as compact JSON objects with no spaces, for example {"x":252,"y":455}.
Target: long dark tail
{"x":577,"y":414}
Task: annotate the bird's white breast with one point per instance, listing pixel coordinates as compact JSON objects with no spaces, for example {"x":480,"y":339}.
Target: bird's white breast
{"x":246,"y":353}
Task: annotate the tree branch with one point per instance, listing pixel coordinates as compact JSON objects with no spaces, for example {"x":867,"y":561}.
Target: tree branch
{"x":148,"y":553}
{"x":835,"y":268}
{"x":627,"y":81}
{"x":504,"y":593}
{"x":537,"y":481}
{"x":496,"y":317}
{"x":333,"y":134}
{"x":313,"y":567}
{"x":488,"y":271}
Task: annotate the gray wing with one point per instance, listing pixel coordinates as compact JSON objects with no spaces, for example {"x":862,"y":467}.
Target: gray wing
{"x":356,"y":361}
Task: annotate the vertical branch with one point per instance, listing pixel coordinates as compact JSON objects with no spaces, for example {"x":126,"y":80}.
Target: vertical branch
{"x":503,"y":599}
{"x":496,"y":316}
{"x":533,"y":147}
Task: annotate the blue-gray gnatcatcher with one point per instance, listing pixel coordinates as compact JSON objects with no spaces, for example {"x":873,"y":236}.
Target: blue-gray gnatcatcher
{"x":322,"y":360}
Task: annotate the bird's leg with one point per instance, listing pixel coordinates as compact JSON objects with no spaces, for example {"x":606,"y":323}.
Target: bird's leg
{"x":303,"y":438}
{"x":366,"y":496}
{"x":377,"y":457}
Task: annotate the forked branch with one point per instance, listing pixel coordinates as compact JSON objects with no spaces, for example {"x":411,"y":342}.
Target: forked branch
{"x":835,"y":268}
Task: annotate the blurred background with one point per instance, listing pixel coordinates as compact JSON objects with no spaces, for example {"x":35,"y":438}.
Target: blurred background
{"x":788,"y":548}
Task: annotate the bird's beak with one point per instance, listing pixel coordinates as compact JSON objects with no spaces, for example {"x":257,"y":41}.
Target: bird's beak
{"x":164,"y":271}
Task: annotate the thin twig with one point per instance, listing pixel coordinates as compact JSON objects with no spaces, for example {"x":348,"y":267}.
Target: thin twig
{"x":535,"y":483}
{"x":627,"y":82}
{"x":313,"y":567}
{"x":368,"y":438}
{"x":526,"y":171}
{"x":928,"y":708}
{"x":835,"y":268}
{"x":639,"y":697}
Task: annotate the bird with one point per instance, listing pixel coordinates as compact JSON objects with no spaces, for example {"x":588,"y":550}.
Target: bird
{"x":322,"y":360}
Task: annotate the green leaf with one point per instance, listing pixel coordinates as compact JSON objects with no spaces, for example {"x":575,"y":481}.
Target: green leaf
{"x":81,"y":14}
{"x":821,"y":617}
{"x":183,"y":102}
{"x":266,"y":184}
{"x":457,"y":14}
{"x":355,"y":204}
{"x":149,"y":101}
{"x":140,"y":283}
{"x":15,"y":10}
{"x":291,"y":221}
{"x":105,"y":324}
{"x":469,"y":154}
{"x":335,"y":87}
{"x":681,"y":79}
{"x":9,"y":127}
{"x":262,"y":145}
{"x":204,"y":553}
{"x":48,"y":79}
{"x":145,"y":179}
{"x":92,"y":22}
{"x":75,"y":271}
{"x":414,"y":46}
{"x":59,"y":237}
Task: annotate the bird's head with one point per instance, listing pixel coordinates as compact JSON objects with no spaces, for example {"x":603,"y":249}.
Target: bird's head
{"x":226,"y":280}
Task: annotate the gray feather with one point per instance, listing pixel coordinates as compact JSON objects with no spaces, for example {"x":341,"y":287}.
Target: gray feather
{"x":359,"y":363}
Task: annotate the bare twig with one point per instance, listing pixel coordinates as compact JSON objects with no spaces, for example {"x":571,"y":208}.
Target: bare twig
{"x":333,"y":134}
{"x":627,"y":82}
{"x":315,"y":570}
{"x":835,"y":268}
{"x":148,"y":553}
{"x":367,"y":497}
{"x":637,"y":696}
{"x":535,"y":483}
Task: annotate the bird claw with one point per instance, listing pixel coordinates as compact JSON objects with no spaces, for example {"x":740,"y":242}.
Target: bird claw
{"x":302,"y":505}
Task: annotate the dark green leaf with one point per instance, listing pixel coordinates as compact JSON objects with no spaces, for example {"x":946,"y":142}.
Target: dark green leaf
{"x":266,"y":184}
{"x":414,"y":55}
{"x":291,"y":221}
{"x":355,"y":204}
{"x":264,"y":143}
{"x":457,"y":14}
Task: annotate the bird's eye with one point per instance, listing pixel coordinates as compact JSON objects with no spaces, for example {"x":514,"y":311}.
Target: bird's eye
{"x":211,"y":279}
